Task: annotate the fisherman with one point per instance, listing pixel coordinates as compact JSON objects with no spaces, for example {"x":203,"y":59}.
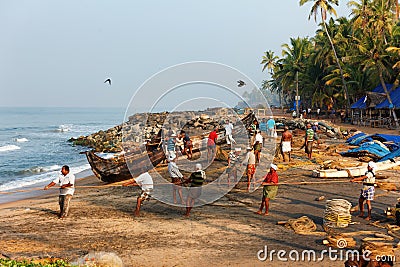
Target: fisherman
{"x":257,"y":146}
{"x":286,"y":143}
{"x":171,"y":143}
{"x":271,"y":126}
{"x":196,"y":180}
{"x":177,"y":178}
{"x":252,"y":130}
{"x":187,"y":145}
{"x":212,"y":144}
{"x":368,"y":189}
{"x":270,"y":189}
{"x":228,"y":133}
{"x":309,"y":140}
{"x":233,"y":160}
{"x":251,"y":166}
{"x":66,"y":180}
{"x":145,"y":181}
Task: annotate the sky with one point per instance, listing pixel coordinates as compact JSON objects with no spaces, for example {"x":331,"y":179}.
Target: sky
{"x":59,"y":53}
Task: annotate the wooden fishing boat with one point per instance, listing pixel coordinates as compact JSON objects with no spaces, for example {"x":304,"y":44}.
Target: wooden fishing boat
{"x":141,"y":159}
{"x":355,"y":171}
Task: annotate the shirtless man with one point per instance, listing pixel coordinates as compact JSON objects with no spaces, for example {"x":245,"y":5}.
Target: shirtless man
{"x":286,"y":143}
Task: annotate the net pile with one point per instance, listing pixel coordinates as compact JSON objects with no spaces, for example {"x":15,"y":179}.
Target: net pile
{"x":302,"y":225}
{"x":337,"y":213}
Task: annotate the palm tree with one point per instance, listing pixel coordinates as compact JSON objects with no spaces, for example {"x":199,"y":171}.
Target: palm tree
{"x":269,"y":60}
{"x":325,"y":7}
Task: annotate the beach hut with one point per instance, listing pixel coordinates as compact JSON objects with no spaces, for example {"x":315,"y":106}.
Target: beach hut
{"x":363,"y":111}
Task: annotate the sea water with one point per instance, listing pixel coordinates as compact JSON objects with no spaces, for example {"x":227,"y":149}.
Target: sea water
{"x":34,"y":142}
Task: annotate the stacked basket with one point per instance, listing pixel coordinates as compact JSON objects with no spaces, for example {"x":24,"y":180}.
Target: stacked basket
{"x":337,"y":213}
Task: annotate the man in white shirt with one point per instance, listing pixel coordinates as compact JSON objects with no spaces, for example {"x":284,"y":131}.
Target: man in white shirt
{"x":66,"y":180}
{"x":228,"y":133}
{"x":145,"y":181}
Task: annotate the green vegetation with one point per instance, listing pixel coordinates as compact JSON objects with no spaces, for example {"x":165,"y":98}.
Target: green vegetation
{"x":345,"y":57}
{"x":27,"y":263}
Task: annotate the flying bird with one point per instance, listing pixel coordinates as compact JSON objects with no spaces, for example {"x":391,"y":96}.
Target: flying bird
{"x":108,"y":81}
{"x":241,"y":83}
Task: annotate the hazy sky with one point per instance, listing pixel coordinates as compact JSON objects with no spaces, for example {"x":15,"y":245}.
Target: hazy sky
{"x":58,"y":53}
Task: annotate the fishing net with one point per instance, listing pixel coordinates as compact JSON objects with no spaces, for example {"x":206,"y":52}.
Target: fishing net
{"x":337,"y":213}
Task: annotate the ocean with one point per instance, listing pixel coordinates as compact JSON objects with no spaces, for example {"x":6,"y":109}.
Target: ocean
{"x":34,"y":142}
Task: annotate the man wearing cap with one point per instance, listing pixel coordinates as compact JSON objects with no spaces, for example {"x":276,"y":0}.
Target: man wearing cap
{"x":145,"y":181}
{"x":177,"y":178}
{"x":368,"y":189}
{"x":251,"y":166}
{"x":196,"y":180}
{"x":286,"y":143}
{"x":270,"y":189}
{"x":233,"y":159}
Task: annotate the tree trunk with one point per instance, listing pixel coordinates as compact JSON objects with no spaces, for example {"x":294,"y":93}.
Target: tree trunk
{"x":346,"y":93}
{"x":389,"y":99}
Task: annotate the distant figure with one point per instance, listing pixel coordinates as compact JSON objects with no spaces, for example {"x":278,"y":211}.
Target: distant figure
{"x":145,"y":181}
{"x":251,"y":166}
{"x":286,"y":143}
{"x":252,"y":131}
{"x":309,"y":141}
{"x":66,"y":180}
{"x":294,"y":114}
{"x":263,"y":126}
{"x":177,"y":178}
{"x":187,"y":145}
{"x":318,"y":112}
{"x":258,"y":144}
{"x":270,"y":183}
{"x":315,"y":129}
{"x":241,"y":83}
{"x":108,"y":81}
{"x":171,"y":143}
{"x":212,"y":144}
{"x":196,"y":180}
{"x":271,"y":126}
{"x":368,"y":189}
{"x":228,"y":133}
{"x":333,"y":116}
{"x":233,"y":161}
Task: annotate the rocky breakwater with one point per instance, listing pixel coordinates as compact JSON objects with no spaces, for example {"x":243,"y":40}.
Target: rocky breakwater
{"x":143,"y":127}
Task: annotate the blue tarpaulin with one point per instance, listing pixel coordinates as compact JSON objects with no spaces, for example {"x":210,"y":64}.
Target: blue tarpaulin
{"x":387,"y":138}
{"x":370,"y":149}
{"x":355,"y":136}
{"x":391,"y":155}
{"x":360,"y":139}
{"x":395,"y":96}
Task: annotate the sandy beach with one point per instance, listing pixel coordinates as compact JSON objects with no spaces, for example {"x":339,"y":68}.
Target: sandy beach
{"x":224,"y":233}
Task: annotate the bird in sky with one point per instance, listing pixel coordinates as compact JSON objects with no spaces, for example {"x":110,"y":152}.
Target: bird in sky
{"x":241,"y":83}
{"x":108,"y":81}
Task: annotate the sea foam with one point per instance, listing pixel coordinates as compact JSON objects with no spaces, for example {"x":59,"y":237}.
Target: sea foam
{"x":9,"y":148}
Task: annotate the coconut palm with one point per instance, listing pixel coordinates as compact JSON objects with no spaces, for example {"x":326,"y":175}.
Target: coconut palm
{"x":325,"y":6}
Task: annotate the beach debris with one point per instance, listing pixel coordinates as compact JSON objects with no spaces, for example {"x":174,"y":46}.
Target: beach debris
{"x":337,"y":213}
{"x":100,"y":259}
{"x":302,"y":225}
{"x":320,"y":198}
